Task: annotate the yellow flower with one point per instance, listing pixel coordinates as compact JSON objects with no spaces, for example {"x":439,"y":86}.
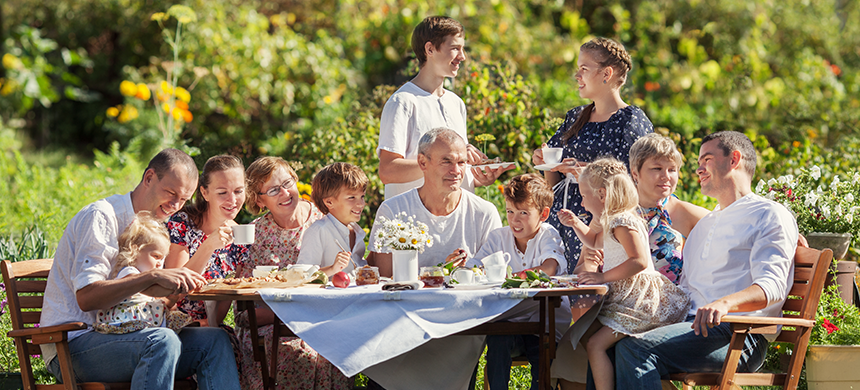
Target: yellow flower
{"x":177,"y":114}
{"x":11,"y":62}
{"x":402,"y":240}
{"x":182,"y":94}
{"x":166,"y":88}
{"x":485,"y":137}
{"x":159,"y":16}
{"x":127,"y":114}
{"x":127,"y":88}
{"x":165,"y":107}
{"x":112,"y":112}
{"x":143,"y":92}
{"x":8,"y":87}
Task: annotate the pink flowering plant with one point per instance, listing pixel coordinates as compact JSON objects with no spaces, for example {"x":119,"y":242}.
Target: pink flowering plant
{"x":818,"y":203}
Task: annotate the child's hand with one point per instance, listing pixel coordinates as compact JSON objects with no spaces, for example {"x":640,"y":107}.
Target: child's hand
{"x":568,"y":218}
{"x":341,"y":261}
{"x":458,"y":258}
{"x":591,"y":278}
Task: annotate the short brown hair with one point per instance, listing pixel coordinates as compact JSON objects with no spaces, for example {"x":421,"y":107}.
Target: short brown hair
{"x":433,"y":29}
{"x":529,"y":190}
{"x":653,"y":145}
{"x":257,"y":174}
{"x":333,"y":179}
{"x":170,"y":158}
{"x":729,"y":141}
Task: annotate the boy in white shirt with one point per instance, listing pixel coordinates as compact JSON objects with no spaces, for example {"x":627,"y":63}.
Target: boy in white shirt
{"x":532,"y":245}
{"x":338,"y":191}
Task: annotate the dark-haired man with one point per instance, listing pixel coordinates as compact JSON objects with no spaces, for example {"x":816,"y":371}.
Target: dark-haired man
{"x":423,"y":104}
{"x":78,"y":286}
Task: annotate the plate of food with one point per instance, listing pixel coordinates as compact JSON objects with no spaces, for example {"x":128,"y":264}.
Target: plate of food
{"x":492,"y":163}
{"x":277,"y":279}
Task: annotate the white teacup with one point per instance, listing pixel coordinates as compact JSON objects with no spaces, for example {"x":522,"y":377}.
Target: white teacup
{"x":243,"y":234}
{"x":263,"y":270}
{"x":495,"y":273}
{"x":497,"y":258}
{"x":464,"y":276}
{"x":552,"y":155}
{"x":303,"y":267}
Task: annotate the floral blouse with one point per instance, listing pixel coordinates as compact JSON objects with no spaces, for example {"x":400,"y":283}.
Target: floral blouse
{"x":666,"y":243}
{"x":614,"y":137}
{"x":274,"y":245}
{"x":222,"y":264}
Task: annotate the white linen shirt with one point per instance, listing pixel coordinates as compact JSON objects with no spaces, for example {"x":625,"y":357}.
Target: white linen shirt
{"x":467,"y":227}
{"x":320,"y":243}
{"x":752,"y":241}
{"x":546,"y":244}
{"x":84,"y":256}
{"x":410,"y":113}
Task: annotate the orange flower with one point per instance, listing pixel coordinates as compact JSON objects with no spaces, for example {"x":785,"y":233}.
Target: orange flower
{"x":795,"y":144}
{"x":501,"y":188}
{"x":181,"y":104}
{"x":651,"y":86}
{"x":835,"y":69}
{"x":186,"y":116}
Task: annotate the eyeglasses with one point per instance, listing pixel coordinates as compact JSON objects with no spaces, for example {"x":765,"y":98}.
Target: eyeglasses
{"x":274,"y":191}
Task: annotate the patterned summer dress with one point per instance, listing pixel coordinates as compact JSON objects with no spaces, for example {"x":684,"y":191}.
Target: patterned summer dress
{"x":223,"y":262}
{"x":644,"y":301}
{"x":299,"y":365}
{"x":138,"y":312}
{"x":667,"y":243}
{"x":613,"y":137}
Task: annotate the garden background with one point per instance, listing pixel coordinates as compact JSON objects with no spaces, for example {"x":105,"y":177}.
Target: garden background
{"x":306,"y":80}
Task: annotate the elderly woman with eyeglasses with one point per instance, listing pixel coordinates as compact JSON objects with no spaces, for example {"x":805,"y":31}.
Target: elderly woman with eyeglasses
{"x":271,"y":185}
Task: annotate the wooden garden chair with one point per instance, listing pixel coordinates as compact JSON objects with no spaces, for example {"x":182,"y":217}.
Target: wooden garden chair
{"x":810,"y":272}
{"x":25,"y":286}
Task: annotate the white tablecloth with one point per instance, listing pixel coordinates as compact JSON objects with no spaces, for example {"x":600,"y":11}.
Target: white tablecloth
{"x":358,"y":327}
{"x":399,"y":339}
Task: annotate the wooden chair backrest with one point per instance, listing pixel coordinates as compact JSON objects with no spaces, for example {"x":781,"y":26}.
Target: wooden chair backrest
{"x":810,"y":274}
{"x":25,"y":287}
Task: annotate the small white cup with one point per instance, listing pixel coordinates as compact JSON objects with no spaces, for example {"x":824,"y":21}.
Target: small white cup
{"x":497,"y":258}
{"x":464,"y":276}
{"x":552,"y":155}
{"x":263,"y":270}
{"x":496,"y":273}
{"x":243,"y":234}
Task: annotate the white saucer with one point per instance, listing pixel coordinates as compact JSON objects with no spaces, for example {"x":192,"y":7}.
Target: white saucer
{"x":475,"y":286}
{"x":546,"y":167}
{"x":493,"y":166}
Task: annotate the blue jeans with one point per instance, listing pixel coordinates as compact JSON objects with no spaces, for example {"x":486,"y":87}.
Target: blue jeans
{"x":641,"y":362}
{"x":151,"y":358}
{"x":500,"y":349}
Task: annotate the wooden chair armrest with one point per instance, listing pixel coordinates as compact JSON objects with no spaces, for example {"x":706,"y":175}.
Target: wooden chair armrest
{"x":44,"y":330}
{"x":747,"y":320}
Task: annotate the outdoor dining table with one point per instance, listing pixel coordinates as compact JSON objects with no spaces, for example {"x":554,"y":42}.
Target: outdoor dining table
{"x":362,"y":326}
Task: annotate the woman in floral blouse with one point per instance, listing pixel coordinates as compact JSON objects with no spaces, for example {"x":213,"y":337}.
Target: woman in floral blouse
{"x":272,"y":187}
{"x":201,"y":237}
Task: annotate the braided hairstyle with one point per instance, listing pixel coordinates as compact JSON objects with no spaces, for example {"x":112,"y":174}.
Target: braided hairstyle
{"x":611,"y":175}
{"x":606,"y":52}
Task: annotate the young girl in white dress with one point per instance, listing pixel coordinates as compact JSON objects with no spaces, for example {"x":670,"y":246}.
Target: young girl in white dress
{"x":142,"y":247}
{"x":639,"y":297}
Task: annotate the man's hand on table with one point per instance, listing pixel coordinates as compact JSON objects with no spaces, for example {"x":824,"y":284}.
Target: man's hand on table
{"x":174,"y":281}
{"x":458,"y":258}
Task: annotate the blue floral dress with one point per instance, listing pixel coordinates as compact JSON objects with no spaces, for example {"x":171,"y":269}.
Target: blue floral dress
{"x":666,"y":243}
{"x":614,"y":137}
{"x":223,"y":262}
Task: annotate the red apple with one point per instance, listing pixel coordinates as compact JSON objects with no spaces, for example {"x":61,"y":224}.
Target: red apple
{"x":522,"y":275}
{"x":340,"y":279}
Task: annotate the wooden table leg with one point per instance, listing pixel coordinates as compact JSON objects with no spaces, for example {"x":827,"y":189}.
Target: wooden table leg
{"x":543,"y":378}
{"x":259,"y":349}
{"x":276,"y":342}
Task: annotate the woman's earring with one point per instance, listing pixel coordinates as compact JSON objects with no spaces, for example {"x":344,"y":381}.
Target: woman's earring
{"x":604,"y":81}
